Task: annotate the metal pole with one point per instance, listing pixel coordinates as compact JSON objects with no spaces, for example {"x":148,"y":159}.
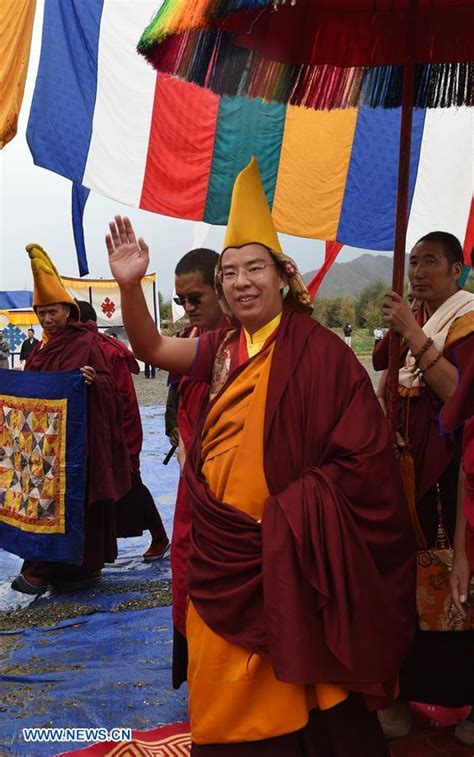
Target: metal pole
{"x":155,"y":307}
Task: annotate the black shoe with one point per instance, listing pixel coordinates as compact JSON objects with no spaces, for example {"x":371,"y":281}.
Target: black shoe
{"x":20,"y":583}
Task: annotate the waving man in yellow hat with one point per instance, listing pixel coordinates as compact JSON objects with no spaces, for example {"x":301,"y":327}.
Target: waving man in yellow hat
{"x":300,"y":569}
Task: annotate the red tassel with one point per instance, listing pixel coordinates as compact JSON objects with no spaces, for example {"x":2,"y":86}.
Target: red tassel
{"x":407,"y":472}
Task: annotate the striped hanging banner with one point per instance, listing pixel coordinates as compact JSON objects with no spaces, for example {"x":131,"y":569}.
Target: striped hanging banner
{"x":102,"y":117}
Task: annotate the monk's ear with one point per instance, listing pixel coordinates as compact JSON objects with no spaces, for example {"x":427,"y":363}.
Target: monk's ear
{"x":68,"y":309}
{"x":456,"y":270}
{"x":283,"y":278}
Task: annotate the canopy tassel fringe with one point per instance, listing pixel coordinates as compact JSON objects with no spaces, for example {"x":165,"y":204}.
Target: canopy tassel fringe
{"x":211,"y":59}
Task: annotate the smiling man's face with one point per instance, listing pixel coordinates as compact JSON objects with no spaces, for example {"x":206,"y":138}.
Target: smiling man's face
{"x":254,"y":295}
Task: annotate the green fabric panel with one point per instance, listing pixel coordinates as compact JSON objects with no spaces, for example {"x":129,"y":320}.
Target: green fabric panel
{"x":245,"y":127}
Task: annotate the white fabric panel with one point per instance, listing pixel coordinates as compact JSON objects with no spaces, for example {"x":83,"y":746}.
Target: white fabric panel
{"x":106,"y":301}
{"x":118,"y":149}
{"x":201,"y":231}
{"x":107,"y":305}
{"x":444,"y":184}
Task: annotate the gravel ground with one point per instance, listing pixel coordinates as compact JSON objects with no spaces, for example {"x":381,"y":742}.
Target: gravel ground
{"x":153,"y":593}
{"x":151,"y":392}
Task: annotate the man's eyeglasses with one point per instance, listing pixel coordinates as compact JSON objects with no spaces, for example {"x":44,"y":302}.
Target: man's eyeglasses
{"x":252,"y":272}
{"x":192,"y":299}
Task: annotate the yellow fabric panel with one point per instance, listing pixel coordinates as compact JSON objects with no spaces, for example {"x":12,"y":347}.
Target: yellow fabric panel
{"x":460,"y":328}
{"x":314,"y":162}
{"x":20,"y":317}
{"x":233,"y":694}
{"x":16,"y":19}
{"x":14,"y":437}
{"x":99,"y":283}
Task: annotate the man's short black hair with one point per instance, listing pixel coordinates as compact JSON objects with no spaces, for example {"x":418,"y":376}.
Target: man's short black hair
{"x":31,"y":330}
{"x":87,"y":311}
{"x":452,"y":247}
{"x":202,"y":260}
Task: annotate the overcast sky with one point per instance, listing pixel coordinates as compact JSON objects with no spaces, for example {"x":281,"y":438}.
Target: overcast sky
{"x":35,"y":207}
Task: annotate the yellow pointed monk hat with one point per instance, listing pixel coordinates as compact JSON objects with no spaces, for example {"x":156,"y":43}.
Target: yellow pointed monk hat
{"x":250,"y":222}
{"x":48,"y":286}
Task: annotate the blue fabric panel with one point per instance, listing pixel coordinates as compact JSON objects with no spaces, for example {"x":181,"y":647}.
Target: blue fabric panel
{"x":78,"y":204}
{"x":16,"y":299}
{"x":369,"y":205}
{"x":60,"y":123}
{"x":69,"y":385}
{"x":128,"y":569}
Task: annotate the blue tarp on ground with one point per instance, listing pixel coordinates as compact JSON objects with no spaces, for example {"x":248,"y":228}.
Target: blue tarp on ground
{"x":20,"y":298}
{"x":106,"y":669}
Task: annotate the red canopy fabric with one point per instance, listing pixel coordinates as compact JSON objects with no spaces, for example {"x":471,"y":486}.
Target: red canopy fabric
{"x":357,"y":32}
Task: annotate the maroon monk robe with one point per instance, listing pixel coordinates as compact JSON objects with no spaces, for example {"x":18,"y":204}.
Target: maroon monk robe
{"x":435,"y":669}
{"x":419,"y":416}
{"x":192,"y":396}
{"x":108,"y":465}
{"x":136,"y":512}
{"x":122,"y":365}
{"x":325,"y":585}
{"x":459,"y":410}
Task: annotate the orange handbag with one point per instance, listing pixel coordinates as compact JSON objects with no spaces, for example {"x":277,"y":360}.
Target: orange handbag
{"x":436,"y":609}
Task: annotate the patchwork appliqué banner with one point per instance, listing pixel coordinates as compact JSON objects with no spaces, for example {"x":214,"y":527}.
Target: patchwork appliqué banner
{"x":43,"y":421}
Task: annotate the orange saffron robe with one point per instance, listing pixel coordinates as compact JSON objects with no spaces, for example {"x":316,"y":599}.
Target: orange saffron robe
{"x":233,"y":694}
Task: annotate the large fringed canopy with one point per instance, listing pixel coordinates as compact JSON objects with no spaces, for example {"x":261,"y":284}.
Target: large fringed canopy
{"x":321,"y":54}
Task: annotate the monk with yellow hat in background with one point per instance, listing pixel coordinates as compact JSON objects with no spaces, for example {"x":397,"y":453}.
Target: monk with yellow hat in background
{"x":301,"y":570}
{"x":67,"y":345}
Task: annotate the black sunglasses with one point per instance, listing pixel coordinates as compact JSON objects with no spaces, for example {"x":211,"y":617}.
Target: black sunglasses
{"x":193,"y":299}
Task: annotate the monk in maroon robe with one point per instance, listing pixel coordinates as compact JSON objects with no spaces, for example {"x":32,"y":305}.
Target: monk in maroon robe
{"x":435,"y":670}
{"x":136,"y":512}
{"x":301,"y":580}
{"x":73,"y":346}
{"x":459,"y":411}
{"x":194,"y":286}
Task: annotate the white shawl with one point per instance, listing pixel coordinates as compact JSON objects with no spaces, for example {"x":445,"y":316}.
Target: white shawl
{"x":436,"y":327}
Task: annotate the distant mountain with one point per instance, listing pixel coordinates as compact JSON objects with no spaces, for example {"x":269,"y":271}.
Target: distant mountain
{"x":349,"y":279}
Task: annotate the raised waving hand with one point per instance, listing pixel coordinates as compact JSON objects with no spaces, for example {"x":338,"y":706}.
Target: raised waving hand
{"x":128,"y":257}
